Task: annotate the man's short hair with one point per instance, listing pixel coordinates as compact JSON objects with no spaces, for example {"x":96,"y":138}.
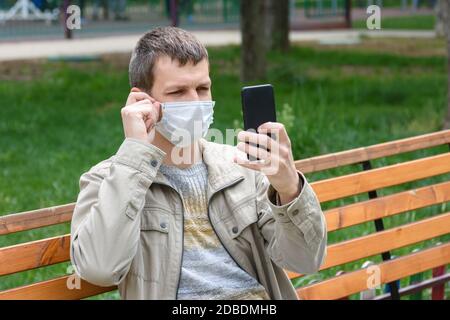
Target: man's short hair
{"x":174,"y":42}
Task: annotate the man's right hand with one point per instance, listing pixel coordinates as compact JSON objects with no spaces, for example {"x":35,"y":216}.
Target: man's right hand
{"x":139,"y":115}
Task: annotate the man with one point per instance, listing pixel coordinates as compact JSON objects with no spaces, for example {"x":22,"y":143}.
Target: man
{"x":212,"y":227}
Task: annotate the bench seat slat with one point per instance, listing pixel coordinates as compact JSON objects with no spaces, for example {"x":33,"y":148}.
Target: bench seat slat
{"x":356,"y":281}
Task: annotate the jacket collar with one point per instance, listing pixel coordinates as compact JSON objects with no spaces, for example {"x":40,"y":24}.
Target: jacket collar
{"x":222,"y":171}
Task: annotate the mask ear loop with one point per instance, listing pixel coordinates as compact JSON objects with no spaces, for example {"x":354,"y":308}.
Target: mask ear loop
{"x":161,"y":111}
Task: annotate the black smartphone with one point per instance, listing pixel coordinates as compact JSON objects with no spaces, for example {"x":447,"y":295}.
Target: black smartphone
{"x":258,"y":107}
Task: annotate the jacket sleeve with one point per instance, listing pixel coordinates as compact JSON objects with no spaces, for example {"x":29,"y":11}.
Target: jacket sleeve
{"x":105,"y":225}
{"x":295,"y":233}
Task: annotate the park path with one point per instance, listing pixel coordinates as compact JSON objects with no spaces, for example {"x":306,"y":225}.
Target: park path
{"x":39,"y":49}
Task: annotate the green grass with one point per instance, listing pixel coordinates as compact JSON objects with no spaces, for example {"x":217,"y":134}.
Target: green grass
{"x":59,"y":119}
{"x":413,"y":22}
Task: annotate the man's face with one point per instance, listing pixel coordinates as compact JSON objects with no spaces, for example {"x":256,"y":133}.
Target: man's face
{"x":173,"y":82}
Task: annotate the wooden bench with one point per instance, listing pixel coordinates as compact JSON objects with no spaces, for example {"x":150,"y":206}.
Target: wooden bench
{"x":339,"y":215}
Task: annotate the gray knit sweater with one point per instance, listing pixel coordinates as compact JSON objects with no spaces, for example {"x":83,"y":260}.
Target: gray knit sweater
{"x":208,"y":271}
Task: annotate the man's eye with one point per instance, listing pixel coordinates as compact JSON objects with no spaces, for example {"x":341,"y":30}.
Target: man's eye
{"x":203,"y":89}
{"x":175,"y":92}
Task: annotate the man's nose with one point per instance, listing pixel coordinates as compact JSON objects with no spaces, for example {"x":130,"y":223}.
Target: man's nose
{"x":193,"y":95}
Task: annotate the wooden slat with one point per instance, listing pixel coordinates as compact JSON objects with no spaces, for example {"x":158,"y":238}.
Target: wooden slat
{"x":357,"y":155}
{"x":55,"y":250}
{"x":45,"y":252}
{"x":353,"y":282}
{"x":417,"y":287}
{"x":375,"y":243}
{"x":334,"y":288}
{"x":59,"y":214}
{"x":356,"y":183}
{"x":35,"y":219}
{"x":55,"y":289}
{"x":34,"y":254}
{"x":369,"y":210}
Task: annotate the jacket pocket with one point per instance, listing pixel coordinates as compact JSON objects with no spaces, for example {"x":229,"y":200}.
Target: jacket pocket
{"x":152,"y":257}
{"x":155,"y":219}
{"x":242,"y":216}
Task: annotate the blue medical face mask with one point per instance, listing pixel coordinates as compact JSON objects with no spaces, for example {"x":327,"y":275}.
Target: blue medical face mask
{"x":185,"y":122}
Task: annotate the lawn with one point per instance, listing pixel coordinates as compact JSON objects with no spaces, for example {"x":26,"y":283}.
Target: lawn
{"x":58,"y":119}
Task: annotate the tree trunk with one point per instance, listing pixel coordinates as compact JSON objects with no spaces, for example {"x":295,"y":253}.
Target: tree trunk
{"x":444,"y":7}
{"x":440,"y":11}
{"x":279,"y":10}
{"x":269,"y":22}
{"x":253,"y":56}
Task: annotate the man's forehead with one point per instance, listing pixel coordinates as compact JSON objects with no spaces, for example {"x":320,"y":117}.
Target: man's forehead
{"x":171,"y":70}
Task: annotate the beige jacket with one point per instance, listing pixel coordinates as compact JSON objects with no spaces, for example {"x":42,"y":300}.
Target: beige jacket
{"x":127,"y":227}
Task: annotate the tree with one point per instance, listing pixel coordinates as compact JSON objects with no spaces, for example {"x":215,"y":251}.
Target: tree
{"x":443,"y":29}
{"x":278,"y":10}
{"x":254,"y":48}
{"x":440,"y":9}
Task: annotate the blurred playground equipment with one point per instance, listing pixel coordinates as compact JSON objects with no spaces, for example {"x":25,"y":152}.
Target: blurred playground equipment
{"x":45,"y":19}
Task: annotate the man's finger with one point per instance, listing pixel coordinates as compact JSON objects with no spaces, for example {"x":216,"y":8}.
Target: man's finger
{"x":253,"y":150}
{"x":153,"y":112}
{"x":141,"y":102}
{"x":134,"y":97}
{"x":249,"y":164}
{"x":156,"y":106}
{"x":275,"y":128}
{"x":256,"y":138}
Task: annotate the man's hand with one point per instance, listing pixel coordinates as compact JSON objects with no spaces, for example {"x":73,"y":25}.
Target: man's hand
{"x":276,"y":163}
{"x":139,"y":115}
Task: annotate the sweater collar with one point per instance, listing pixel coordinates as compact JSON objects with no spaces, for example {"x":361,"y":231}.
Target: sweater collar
{"x":222,"y":171}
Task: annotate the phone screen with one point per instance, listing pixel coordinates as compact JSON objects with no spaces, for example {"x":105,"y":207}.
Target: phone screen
{"x":258,"y":107}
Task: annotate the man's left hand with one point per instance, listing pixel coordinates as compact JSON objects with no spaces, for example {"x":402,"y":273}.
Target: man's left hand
{"x":276,"y":160}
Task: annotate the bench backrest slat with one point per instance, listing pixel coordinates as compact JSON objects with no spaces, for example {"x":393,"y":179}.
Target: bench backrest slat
{"x":36,"y":218}
{"x":376,"y":243}
{"x":55,"y":289}
{"x":49,"y":251}
{"x":326,"y":190}
{"x":356,"y":183}
{"x":59,"y":214}
{"x":334,"y":288}
{"x":369,"y":210}
{"x":338,"y":159}
{"x":35,"y":254}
